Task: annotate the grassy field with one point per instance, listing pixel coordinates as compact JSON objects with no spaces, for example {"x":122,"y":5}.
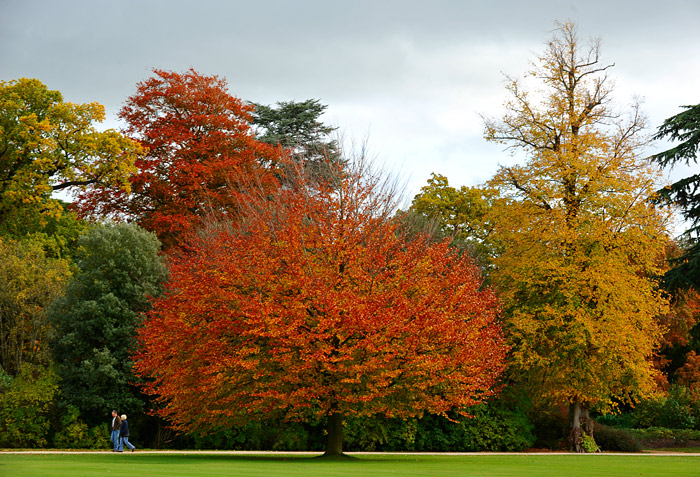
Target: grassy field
{"x":147,"y":465}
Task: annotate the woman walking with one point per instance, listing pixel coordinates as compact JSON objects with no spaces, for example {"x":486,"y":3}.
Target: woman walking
{"x":124,"y":436}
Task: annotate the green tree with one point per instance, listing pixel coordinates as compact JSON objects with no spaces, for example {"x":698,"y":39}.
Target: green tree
{"x":460,"y":213}
{"x":29,"y":282}
{"x":119,"y":268}
{"x":48,"y":145}
{"x":295,"y":125}
{"x":57,"y":234}
{"x":580,"y":239}
{"x":683,"y":128}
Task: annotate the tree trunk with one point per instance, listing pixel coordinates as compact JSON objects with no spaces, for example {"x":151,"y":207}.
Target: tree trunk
{"x":587,"y":422}
{"x":588,"y":425}
{"x":334,"y":445}
{"x":576,"y":434}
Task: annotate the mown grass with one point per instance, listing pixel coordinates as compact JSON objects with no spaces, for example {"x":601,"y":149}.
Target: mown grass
{"x":151,"y":465}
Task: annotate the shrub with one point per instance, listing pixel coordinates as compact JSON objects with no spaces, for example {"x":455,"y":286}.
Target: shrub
{"x":687,"y":434}
{"x":674,"y":411}
{"x":379,"y":433}
{"x":5,"y":380}
{"x":72,"y":436}
{"x":499,"y":425}
{"x":551,"y":429}
{"x":588,"y":444}
{"x":494,"y":427}
{"x":74,"y":433}
{"x":646,"y":413}
{"x":617,"y":440}
{"x":660,"y":433}
{"x":24,"y":407}
{"x":676,"y":415}
{"x":616,"y":420}
{"x":263,"y":435}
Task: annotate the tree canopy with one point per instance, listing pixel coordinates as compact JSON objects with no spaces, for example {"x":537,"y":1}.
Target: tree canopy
{"x":296,"y":126}
{"x":48,"y":145}
{"x":119,"y":271}
{"x":683,"y":128}
{"x":201,"y":151}
{"x":581,"y":241}
{"x":315,"y":308}
{"x":29,"y":282}
{"x":460,"y":213}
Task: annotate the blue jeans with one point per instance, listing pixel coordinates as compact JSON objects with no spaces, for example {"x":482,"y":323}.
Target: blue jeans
{"x":124,"y":441}
{"x":115,"y":439}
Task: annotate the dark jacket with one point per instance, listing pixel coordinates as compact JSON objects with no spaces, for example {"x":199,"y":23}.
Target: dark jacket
{"x":117,"y":424}
{"x":124,"y":431}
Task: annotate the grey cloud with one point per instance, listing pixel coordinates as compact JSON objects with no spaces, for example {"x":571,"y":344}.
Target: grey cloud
{"x":413,"y":73}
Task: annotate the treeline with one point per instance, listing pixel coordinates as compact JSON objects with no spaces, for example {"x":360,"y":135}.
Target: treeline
{"x":229,"y":277}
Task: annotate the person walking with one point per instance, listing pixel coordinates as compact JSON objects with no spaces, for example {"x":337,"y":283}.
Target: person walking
{"x":124,"y":435}
{"x":115,"y":429}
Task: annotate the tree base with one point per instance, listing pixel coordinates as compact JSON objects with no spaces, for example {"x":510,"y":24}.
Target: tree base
{"x":341,"y":456}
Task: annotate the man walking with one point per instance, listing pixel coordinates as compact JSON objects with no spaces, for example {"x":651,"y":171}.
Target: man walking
{"x":115,"y":428}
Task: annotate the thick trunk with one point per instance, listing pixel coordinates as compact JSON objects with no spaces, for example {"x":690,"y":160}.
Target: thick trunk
{"x":587,"y":422}
{"x":576,"y":434}
{"x":581,"y":423}
{"x":334,"y":445}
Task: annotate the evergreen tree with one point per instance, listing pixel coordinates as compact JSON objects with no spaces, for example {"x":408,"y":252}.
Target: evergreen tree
{"x":295,"y":126}
{"x":685,"y":193}
{"x":119,"y":268}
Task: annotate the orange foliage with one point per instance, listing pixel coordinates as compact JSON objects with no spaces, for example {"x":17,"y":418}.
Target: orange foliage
{"x":689,"y":373}
{"x":317,"y":307}
{"x":200,"y":147}
{"x":683,"y":315}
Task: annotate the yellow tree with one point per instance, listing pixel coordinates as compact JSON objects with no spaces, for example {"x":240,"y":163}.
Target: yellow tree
{"x":580,"y":237}
{"x":48,"y":145}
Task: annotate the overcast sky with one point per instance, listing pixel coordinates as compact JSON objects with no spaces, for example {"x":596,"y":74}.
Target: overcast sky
{"x":411,"y":76}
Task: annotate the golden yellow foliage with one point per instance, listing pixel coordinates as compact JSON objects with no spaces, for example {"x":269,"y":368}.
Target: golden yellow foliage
{"x":580,"y":238}
{"x":48,"y":145}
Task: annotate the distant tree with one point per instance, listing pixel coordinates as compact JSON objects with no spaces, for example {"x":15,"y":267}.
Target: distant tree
{"x":295,"y":125}
{"x":685,"y":193}
{"x":29,"y":282}
{"x":201,"y":153}
{"x":460,"y":213}
{"x":315,"y":309}
{"x":680,"y":326}
{"x":581,"y":241}
{"x":689,"y":374}
{"x":48,"y":145}
{"x":119,"y":268}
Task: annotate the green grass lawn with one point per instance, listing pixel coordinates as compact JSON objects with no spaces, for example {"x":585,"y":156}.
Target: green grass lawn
{"x":136,"y":465}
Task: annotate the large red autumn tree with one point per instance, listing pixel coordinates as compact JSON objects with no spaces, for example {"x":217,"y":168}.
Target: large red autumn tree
{"x":200,"y":147}
{"x":315,"y":307}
